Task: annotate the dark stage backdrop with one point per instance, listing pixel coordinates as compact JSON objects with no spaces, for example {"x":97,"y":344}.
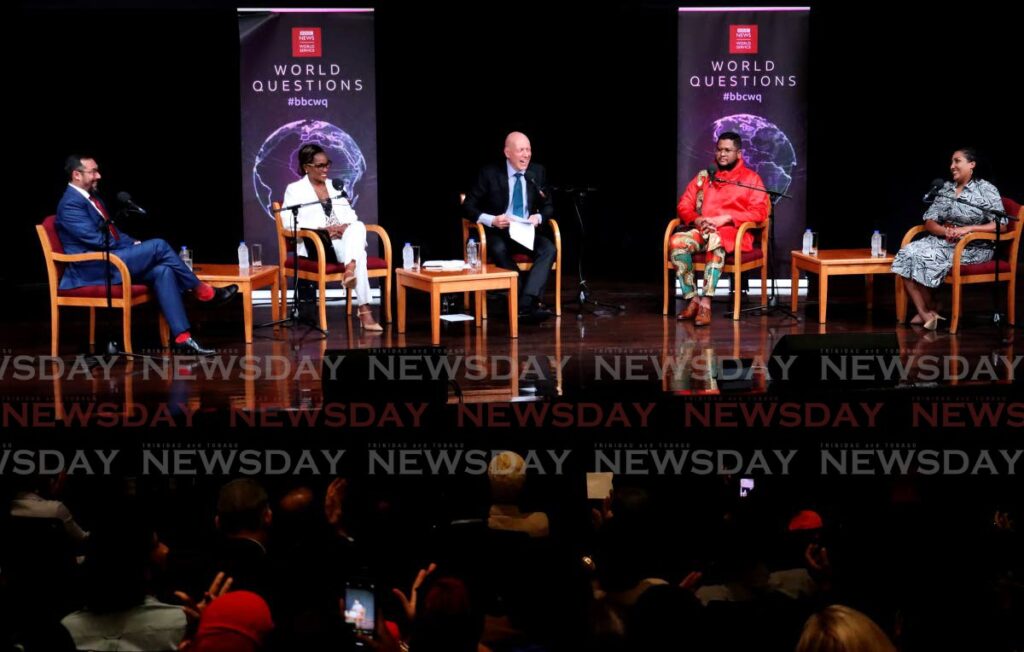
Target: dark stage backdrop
{"x":306,"y":77}
{"x":153,"y":94}
{"x":745,"y":71}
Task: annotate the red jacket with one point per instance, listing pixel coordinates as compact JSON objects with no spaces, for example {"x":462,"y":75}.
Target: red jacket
{"x":741,"y":204}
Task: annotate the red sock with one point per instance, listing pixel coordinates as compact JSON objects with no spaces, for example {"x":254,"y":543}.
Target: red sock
{"x":184,"y":335}
{"x":204,"y":291}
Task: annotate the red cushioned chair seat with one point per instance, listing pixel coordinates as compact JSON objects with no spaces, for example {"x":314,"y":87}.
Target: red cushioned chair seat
{"x":309,"y":265}
{"x":748,"y":256}
{"x":100,"y":291}
{"x":985,"y":268}
{"x":521,"y":258}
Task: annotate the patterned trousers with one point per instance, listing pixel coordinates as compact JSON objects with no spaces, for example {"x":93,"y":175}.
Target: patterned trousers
{"x":687,"y":243}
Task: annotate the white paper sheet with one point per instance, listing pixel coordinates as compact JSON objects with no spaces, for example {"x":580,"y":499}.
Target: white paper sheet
{"x":520,"y":230}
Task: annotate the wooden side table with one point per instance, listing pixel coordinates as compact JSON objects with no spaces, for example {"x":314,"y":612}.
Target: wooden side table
{"x":838,"y":262}
{"x":258,"y":277}
{"x":491,"y":277}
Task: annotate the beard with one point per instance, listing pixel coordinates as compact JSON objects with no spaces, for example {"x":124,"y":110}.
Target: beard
{"x":729,"y":167}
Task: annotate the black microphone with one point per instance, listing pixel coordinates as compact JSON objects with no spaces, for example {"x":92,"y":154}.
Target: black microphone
{"x":126,"y":199}
{"x":929,"y":196}
{"x":711,"y":169}
{"x":531,"y":179}
{"x":339,"y":185}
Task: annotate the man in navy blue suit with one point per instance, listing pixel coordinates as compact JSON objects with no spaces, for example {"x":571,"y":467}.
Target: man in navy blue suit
{"x":84,"y":225}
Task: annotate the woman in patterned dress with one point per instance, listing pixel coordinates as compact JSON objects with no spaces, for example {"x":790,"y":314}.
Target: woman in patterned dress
{"x":925,"y":262}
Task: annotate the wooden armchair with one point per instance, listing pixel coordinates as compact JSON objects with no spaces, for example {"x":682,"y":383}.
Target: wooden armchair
{"x":522,"y":261}
{"x":123,"y":296}
{"x":322,"y":272}
{"x":735,"y":263}
{"x":961,"y":275}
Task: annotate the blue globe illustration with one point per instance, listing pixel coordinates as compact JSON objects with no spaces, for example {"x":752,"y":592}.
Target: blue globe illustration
{"x":766,"y":148}
{"x":277,"y":160}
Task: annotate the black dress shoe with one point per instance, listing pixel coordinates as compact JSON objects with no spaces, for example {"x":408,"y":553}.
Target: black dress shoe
{"x":528,"y":305}
{"x":191,"y":347}
{"x":221,"y":296}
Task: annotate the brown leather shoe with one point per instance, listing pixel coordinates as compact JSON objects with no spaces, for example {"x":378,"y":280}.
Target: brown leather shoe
{"x":689,"y":312}
{"x":703,"y":317}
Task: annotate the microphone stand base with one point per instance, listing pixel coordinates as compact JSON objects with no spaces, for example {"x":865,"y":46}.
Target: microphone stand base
{"x":296,"y":319}
{"x":584,"y":301}
{"x":773,"y":308}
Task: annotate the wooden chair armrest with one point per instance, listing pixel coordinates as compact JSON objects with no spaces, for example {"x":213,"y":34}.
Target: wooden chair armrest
{"x":321,"y":254}
{"x":971,"y":237}
{"x":744,"y":228}
{"x":481,"y":234}
{"x":555,"y":232}
{"x":385,"y":240}
{"x":911,"y":234}
{"x":668,"y":237}
{"x":750,"y":226}
{"x":126,"y":276}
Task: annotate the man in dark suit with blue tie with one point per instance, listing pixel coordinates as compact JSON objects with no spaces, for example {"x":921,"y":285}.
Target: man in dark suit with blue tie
{"x":504,"y":192}
{"x":84,"y":225}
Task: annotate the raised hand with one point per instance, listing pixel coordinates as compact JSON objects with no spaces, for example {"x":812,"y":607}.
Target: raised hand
{"x":409,"y":602}
{"x":220,"y":585}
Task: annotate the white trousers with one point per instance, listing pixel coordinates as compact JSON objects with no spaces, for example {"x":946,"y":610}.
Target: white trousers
{"x":352,"y":246}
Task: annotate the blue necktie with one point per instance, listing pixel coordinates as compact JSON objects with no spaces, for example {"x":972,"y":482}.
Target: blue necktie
{"x":517,"y":196}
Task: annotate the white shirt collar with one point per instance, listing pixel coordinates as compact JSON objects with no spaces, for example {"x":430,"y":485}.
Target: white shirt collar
{"x":84,"y":193}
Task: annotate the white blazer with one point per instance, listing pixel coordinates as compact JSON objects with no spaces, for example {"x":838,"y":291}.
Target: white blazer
{"x":313,"y":216}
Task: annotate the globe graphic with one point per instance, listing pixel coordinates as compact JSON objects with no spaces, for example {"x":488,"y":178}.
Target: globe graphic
{"x":766,"y":149}
{"x":276,"y":163}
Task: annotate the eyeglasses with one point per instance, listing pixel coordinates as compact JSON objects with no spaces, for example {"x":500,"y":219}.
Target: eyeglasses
{"x":321,"y":166}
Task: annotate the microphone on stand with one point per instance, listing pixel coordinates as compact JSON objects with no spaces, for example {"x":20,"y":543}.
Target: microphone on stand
{"x":126,"y":200}
{"x":530,"y":178}
{"x":340,"y":186}
{"x":933,"y":191}
{"x":711,"y":169}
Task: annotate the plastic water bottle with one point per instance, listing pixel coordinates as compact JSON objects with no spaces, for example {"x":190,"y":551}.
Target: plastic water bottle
{"x":407,"y":256}
{"x":808,"y":241}
{"x":243,"y":257}
{"x":473,"y":255}
{"x":185,"y":257}
{"x":876,"y":244}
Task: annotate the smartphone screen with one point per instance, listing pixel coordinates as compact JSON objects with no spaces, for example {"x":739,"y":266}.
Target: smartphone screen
{"x":599,"y":485}
{"x":360,"y":609}
{"x":746,"y":486}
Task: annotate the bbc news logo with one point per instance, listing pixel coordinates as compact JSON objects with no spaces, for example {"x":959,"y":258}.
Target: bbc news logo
{"x":742,"y":39}
{"x":306,"y":42}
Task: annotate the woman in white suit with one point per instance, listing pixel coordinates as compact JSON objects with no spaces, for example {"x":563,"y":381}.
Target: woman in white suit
{"x":348,"y":234}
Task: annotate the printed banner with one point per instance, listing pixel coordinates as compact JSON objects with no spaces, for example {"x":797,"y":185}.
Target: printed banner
{"x":306,"y":77}
{"x":745,"y":70}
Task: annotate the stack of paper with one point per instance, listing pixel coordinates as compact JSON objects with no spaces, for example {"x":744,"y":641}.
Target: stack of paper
{"x":445,"y":265}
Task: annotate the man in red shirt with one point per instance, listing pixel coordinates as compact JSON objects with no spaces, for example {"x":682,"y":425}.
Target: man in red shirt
{"x":711,"y":210}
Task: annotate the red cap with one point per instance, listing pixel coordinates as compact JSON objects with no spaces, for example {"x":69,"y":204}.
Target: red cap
{"x":806,"y":520}
{"x":235,"y":622}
